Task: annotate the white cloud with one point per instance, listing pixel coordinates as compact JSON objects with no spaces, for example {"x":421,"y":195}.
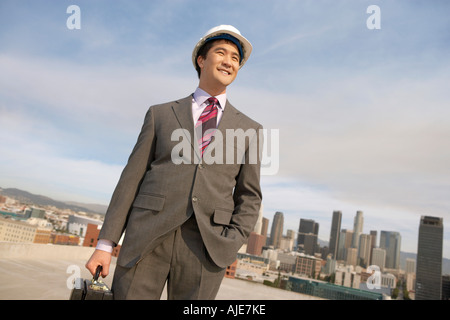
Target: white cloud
{"x":30,"y":168}
{"x":116,"y":92}
{"x":36,"y":166}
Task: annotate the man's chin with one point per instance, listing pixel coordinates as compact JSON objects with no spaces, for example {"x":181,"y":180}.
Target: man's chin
{"x":226,"y":81}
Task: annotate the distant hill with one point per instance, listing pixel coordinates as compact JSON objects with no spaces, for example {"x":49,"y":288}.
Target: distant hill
{"x":39,"y":200}
{"x":92,"y":207}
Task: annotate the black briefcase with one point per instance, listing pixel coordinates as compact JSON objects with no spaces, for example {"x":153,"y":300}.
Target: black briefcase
{"x":94,"y":289}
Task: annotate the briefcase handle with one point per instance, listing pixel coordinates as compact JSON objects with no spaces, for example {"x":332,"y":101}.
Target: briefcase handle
{"x":97,"y":284}
{"x":97,"y":273}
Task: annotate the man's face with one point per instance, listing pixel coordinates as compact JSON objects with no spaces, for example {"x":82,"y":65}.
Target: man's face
{"x":220,"y":66}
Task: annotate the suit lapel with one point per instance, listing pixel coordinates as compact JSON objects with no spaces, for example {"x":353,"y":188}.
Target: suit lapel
{"x":183,"y":112}
{"x":229,"y":119}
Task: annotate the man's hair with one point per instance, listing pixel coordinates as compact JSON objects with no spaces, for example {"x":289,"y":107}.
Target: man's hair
{"x":203,"y":51}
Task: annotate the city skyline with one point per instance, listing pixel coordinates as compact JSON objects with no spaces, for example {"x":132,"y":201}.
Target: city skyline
{"x":388,"y":240}
{"x":390,"y":248}
{"x":368,"y":125}
{"x":285,"y":229}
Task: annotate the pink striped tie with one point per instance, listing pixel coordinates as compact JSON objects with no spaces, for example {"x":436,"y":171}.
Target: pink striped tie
{"x":207,"y":121}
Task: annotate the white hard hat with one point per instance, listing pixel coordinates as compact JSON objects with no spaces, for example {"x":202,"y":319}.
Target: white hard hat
{"x":225,"y":32}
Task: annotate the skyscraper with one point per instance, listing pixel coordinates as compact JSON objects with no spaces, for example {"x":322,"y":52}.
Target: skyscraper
{"x":378,"y":258}
{"x":364,"y":249}
{"x":373,"y":233}
{"x":391,"y":242}
{"x":265,"y":226}
{"x":334,"y":233}
{"x":357,"y":228}
{"x":345,"y":242}
{"x":276,"y":232}
{"x":309,"y":245}
{"x":307,"y":226}
{"x":429,"y":259}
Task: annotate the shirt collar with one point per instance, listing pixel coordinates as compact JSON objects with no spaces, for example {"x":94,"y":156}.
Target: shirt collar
{"x":200,"y":96}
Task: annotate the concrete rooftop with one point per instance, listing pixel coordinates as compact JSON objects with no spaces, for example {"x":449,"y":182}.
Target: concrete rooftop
{"x":43,"y":271}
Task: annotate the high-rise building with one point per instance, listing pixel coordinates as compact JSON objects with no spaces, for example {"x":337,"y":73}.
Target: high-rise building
{"x":391,"y":242}
{"x":255,"y":243}
{"x":352,"y":256}
{"x":287,"y":242}
{"x":357,"y":228}
{"x":307,"y":226}
{"x":410,"y":265}
{"x":345,"y":242}
{"x":429,"y":259}
{"x":373,"y":233}
{"x":265,"y":226}
{"x":378,"y":258}
{"x":364,"y":249}
{"x":276,"y":233}
{"x":310,"y":244}
{"x":334,"y":233}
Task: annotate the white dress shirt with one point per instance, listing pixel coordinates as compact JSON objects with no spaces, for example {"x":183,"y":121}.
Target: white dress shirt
{"x":199,"y":103}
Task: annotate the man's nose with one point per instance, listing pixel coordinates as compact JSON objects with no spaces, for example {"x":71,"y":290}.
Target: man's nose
{"x":226,"y":61}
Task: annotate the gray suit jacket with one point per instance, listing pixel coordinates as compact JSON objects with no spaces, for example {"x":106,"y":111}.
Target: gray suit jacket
{"x":154,"y":195}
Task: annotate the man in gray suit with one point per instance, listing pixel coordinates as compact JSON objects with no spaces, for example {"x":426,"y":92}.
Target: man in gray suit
{"x":186,"y":211}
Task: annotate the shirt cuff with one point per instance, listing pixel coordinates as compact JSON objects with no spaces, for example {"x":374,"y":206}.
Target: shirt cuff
{"x":105,"y":245}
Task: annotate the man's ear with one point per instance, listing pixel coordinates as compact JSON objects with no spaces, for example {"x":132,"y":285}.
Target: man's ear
{"x":200,"y":60}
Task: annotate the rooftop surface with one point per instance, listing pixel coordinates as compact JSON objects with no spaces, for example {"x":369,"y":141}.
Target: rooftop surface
{"x":46,"y":272}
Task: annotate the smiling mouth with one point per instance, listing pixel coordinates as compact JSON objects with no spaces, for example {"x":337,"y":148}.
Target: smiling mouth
{"x":224,"y":72}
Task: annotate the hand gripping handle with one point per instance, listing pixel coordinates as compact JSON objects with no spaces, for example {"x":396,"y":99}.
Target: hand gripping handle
{"x":97,"y":273}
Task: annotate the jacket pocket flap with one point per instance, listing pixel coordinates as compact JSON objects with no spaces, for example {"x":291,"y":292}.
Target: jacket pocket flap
{"x":148,"y":201}
{"x":222,"y":216}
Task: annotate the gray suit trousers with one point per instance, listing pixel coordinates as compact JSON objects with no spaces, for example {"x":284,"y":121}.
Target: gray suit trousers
{"x":181,"y":259}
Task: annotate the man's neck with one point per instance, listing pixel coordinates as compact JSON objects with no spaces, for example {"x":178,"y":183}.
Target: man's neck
{"x":212,"y":91}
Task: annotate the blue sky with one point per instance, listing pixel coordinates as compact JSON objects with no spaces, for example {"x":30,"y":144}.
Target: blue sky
{"x":362,"y":114}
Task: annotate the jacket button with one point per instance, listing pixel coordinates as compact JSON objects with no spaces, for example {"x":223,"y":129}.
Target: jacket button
{"x":194,"y":199}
